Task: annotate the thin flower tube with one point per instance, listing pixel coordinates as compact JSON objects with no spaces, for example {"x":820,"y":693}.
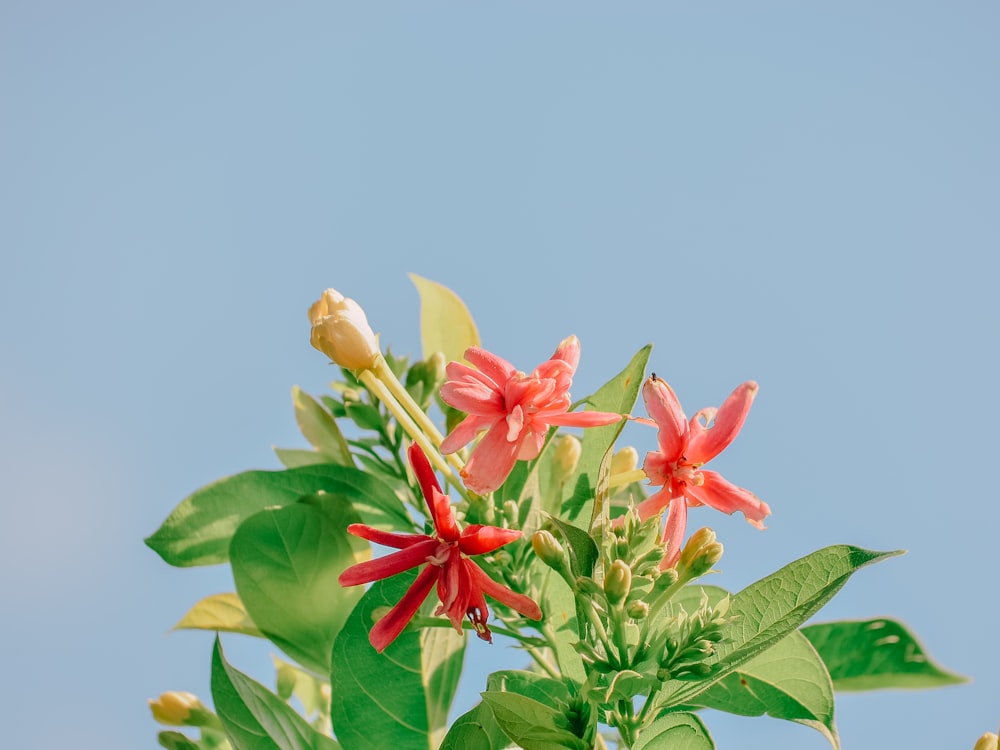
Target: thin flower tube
{"x":684,"y":448}
{"x":514,"y":409}
{"x":461,"y":583}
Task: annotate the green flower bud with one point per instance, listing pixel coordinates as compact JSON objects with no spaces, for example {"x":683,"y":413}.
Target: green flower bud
{"x":695,"y":543}
{"x":548,"y":549}
{"x":617,"y":582}
{"x":694,"y":671}
{"x":637,"y":610}
{"x":510,"y":513}
{"x":700,"y":553}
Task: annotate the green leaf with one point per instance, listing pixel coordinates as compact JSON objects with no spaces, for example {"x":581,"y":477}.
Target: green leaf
{"x":766,"y":611}
{"x":198,"y":531}
{"x":583,"y":552}
{"x":177,"y":741}
{"x":384,"y":700}
{"x":788,"y":681}
{"x":679,"y":731}
{"x":254,"y":717}
{"x":442,"y":654}
{"x":293,"y":458}
{"x":285,"y":563}
{"x":531,"y":724}
{"x":476,"y":729}
{"x":875,"y":655}
{"x":558,"y":605}
{"x":320,"y":428}
{"x":617,"y":395}
{"x":445,"y":323}
{"x":221,"y":613}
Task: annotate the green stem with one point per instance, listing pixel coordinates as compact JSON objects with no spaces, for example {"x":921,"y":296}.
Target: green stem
{"x":416,"y":434}
{"x":385,"y":374}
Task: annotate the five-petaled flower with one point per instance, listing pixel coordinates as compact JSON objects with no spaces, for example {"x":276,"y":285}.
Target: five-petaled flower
{"x":461,"y":583}
{"x":515,"y":410}
{"x":684,"y":448}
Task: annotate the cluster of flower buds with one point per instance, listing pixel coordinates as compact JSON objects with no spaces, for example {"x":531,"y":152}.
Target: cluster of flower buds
{"x":692,"y":641}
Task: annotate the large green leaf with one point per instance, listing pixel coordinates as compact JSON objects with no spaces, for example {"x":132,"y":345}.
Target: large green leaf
{"x":389,"y":700}
{"x":198,"y":531}
{"x":617,"y":395}
{"x":532,"y":724}
{"x":875,"y":655}
{"x":768,"y":610}
{"x":219,"y":612}
{"x":476,"y":729}
{"x":788,"y":681}
{"x":255,"y":718}
{"x":680,"y":731}
{"x":445,"y":323}
{"x":560,"y":619}
{"x":285,"y":563}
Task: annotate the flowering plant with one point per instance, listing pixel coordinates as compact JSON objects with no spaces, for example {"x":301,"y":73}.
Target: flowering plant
{"x":546,"y":538}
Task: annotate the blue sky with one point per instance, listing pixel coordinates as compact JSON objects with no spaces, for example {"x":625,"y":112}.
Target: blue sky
{"x":801,"y":194}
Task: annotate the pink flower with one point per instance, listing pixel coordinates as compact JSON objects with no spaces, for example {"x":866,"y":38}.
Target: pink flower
{"x":515,"y":410}
{"x":461,"y":583}
{"x":684,"y":448}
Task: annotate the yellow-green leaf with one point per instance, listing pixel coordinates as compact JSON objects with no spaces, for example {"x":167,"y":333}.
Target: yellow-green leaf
{"x":320,"y":428}
{"x":219,"y":612}
{"x":445,"y":323}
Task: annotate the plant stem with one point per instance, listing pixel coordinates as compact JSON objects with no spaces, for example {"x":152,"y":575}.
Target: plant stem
{"x":385,"y":374}
{"x":416,"y":434}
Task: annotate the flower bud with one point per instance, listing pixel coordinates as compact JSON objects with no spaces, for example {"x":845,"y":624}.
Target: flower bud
{"x":175,"y":708}
{"x":340,"y":330}
{"x":567,"y":456}
{"x":618,"y":582}
{"x":987,"y":742}
{"x":700,"y":553}
{"x":627,"y":459}
{"x":510,"y":513}
{"x":695,"y":543}
{"x":548,"y":549}
{"x":637,"y":610}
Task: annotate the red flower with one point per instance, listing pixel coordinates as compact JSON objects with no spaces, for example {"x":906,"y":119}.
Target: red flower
{"x":684,"y":449}
{"x":461,"y":583}
{"x":515,"y":409}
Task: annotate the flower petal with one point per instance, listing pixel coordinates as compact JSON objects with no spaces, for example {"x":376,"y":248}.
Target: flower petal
{"x":673,"y":532}
{"x":473,"y":398}
{"x":388,"y":538}
{"x":708,"y":442}
{"x":478,"y":539}
{"x":491,"y":460}
{"x":583,"y":419}
{"x":722,"y":495}
{"x":389,"y":627}
{"x":390,"y":565}
{"x":653,"y":504}
{"x":437,"y":502}
{"x":518,"y":602}
{"x":497,"y":369}
{"x":662,"y":405}
{"x":465,"y":432}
